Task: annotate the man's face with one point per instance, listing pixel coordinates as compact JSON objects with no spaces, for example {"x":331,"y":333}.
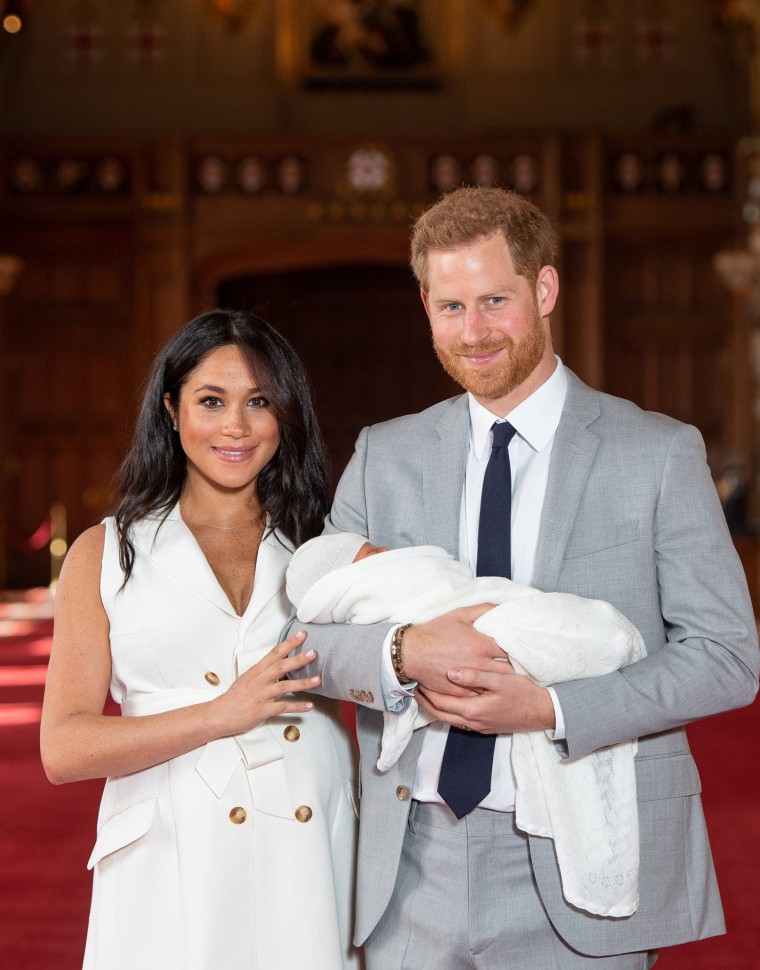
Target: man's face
{"x":490,"y":326}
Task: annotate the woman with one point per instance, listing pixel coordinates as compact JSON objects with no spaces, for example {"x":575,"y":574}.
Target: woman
{"x":226,"y":833}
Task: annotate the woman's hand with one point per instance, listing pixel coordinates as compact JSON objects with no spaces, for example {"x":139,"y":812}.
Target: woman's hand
{"x":261,"y":692}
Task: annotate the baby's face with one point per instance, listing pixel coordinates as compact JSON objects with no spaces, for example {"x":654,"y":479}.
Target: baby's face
{"x":369,"y":550}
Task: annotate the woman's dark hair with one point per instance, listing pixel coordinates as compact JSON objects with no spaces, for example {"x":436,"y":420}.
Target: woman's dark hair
{"x":291,"y":488}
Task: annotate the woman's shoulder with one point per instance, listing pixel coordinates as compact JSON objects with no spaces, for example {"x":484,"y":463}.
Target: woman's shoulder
{"x":142,"y":531}
{"x":89,"y":544}
{"x":84,"y":559}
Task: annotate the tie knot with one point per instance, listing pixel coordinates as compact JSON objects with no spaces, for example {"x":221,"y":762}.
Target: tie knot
{"x":503,"y":432}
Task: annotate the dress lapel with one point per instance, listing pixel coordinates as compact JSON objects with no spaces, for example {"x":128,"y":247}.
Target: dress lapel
{"x":572,"y":457}
{"x":271,"y":563}
{"x":172,"y":547}
{"x":443,"y":468}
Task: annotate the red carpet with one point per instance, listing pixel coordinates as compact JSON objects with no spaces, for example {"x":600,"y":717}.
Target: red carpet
{"x":46,"y":833}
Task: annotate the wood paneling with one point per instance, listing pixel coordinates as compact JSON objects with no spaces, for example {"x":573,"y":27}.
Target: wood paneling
{"x":112,"y":271}
{"x":68,"y":382}
{"x":668,"y":332}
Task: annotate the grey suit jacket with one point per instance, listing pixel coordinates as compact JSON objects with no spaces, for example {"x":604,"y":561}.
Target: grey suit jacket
{"x":630,"y":516}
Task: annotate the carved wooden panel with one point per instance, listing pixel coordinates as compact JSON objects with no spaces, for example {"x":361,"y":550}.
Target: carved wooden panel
{"x":668,"y":331}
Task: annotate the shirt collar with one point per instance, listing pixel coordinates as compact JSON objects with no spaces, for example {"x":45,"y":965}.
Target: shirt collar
{"x":535,"y":419}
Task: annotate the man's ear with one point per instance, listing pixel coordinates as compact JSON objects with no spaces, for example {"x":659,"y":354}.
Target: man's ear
{"x":547,"y":290}
{"x":424,"y":298}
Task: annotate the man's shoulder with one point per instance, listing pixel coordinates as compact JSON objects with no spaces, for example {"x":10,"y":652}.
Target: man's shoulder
{"x":620,"y":416}
{"x":443,"y":414}
{"x":622,"y":409}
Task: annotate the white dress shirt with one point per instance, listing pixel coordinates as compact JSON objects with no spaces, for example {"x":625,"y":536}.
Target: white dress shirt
{"x":535,"y":421}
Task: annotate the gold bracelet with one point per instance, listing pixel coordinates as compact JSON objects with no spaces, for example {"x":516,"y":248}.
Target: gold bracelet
{"x":398,"y":665}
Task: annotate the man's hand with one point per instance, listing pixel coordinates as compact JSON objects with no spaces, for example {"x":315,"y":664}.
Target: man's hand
{"x":432,"y":649}
{"x":498,"y":701}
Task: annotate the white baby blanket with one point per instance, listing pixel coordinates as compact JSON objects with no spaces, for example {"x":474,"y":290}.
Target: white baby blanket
{"x":587,"y":805}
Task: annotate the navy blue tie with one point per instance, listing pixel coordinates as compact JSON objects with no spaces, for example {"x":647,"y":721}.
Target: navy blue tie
{"x":465,"y":777}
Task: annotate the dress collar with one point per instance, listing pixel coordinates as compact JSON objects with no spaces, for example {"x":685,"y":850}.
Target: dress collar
{"x":172,"y":546}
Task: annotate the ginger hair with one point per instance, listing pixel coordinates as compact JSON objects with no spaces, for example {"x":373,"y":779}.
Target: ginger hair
{"x":468,"y":214}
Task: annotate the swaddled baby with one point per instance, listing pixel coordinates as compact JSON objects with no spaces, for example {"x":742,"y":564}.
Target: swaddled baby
{"x":587,"y":806}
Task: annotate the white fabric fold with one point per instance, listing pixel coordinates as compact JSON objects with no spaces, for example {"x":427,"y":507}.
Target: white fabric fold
{"x":258,"y":750}
{"x":587,"y":806}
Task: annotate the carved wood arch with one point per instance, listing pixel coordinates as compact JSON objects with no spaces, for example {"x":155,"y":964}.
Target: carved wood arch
{"x":350,"y":245}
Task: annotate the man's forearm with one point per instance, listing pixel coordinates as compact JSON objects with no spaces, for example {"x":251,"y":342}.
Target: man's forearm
{"x":348,"y":660}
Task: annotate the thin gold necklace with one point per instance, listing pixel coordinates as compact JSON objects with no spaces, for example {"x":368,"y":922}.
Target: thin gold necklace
{"x":227,"y":528}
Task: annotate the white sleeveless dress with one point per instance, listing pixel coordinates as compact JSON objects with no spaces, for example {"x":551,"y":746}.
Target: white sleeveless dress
{"x":238,"y":855}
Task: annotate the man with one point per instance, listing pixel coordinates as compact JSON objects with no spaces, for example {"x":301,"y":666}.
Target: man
{"x":607,"y":502}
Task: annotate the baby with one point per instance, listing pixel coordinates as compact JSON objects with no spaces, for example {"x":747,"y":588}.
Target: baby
{"x":588,"y":805}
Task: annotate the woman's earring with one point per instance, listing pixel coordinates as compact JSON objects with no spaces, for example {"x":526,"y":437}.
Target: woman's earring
{"x":175,"y":425}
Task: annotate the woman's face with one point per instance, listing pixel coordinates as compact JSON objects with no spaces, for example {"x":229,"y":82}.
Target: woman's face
{"x":226,"y":425}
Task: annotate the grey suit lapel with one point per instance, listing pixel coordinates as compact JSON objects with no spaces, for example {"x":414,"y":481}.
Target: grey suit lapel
{"x":443,"y":468}
{"x":572,"y":457}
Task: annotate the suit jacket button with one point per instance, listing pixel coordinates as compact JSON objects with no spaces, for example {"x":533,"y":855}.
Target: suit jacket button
{"x":238,"y":815}
{"x":363,"y":696}
{"x":291,"y":733}
{"x":211,"y":678}
{"x":402,"y":793}
{"x":303,"y":813}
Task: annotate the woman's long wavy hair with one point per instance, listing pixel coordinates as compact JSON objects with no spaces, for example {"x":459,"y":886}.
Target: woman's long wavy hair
{"x":291,"y":488}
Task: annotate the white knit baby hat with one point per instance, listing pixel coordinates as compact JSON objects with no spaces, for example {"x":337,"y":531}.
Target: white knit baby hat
{"x":318,"y":557}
